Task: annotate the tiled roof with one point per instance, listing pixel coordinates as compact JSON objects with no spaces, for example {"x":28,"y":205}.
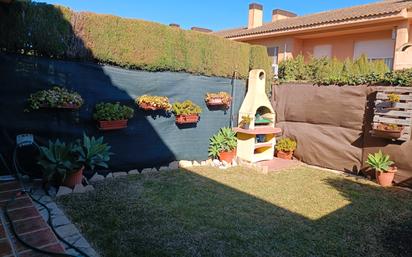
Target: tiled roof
{"x":373,"y":10}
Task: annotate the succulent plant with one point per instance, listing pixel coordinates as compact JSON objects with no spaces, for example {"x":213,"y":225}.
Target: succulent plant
{"x":224,"y":140}
{"x":157,"y":102}
{"x":186,"y":108}
{"x":379,"y":161}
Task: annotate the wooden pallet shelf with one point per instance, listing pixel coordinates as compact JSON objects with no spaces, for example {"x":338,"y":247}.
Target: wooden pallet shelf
{"x":401,"y":116}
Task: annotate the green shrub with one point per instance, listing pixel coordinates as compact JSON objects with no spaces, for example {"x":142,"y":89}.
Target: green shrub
{"x":399,"y":78}
{"x":112,"y":111}
{"x":55,"y":31}
{"x":186,"y":108}
{"x":286,"y":145}
{"x":224,"y":140}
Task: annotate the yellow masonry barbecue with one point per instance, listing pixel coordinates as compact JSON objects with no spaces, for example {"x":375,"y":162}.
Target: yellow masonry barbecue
{"x":256,"y":133}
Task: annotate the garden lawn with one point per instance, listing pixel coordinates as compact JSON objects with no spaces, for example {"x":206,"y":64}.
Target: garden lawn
{"x":238,"y":212}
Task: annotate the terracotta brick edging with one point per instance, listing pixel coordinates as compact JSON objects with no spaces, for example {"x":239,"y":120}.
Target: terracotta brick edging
{"x":28,"y":224}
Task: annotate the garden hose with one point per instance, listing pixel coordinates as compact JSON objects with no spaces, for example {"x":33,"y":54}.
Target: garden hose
{"x":20,"y":171}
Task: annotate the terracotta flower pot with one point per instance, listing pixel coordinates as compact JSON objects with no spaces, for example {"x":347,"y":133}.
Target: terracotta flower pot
{"x":112,"y":124}
{"x":187,"y":119}
{"x":74,"y":178}
{"x":217,"y":101}
{"x":227,"y":156}
{"x":149,"y":107}
{"x":284,"y":155}
{"x":65,"y":106}
{"x":385,"y":178}
{"x":386,"y":132}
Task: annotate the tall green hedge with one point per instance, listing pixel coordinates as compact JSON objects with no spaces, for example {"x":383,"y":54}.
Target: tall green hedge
{"x":55,"y":31}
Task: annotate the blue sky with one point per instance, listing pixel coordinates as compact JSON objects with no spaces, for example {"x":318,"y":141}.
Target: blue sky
{"x":212,"y":14}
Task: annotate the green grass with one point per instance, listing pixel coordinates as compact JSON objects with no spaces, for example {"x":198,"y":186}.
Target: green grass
{"x":238,"y":212}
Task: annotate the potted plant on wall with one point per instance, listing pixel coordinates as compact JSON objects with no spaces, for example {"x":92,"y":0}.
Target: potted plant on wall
{"x":391,"y":131}
{"x":223,"y":145}
{"x":111,"y":116}
{"x":63,"y":164}
{"x":218,"y":99}
{"x":56,"y":97}
{"x":186,"y":112}
{"x":153,"y":103}
{"x":285,"y":148}
{"x":384,"y":168}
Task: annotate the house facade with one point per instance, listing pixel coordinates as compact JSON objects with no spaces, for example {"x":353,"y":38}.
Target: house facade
{"x":380,"y":30}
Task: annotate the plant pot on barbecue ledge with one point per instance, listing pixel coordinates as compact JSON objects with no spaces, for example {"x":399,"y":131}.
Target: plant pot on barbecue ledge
{"x":112,"y":124}
{"x":153,"y":103}
{"x":187,"y":119}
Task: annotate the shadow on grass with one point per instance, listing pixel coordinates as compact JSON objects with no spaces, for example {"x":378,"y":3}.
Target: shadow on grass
{"x":184,"y":213}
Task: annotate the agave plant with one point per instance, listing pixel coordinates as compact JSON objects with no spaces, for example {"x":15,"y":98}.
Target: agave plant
{"x":223,"y":141}
{"x":379,"y":161}
{"x":59,"y":160}
{"x":93,"y":152}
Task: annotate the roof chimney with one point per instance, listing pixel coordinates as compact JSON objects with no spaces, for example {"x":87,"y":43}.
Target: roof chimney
{"x":279,"y":14}
{"x":255,"y":16}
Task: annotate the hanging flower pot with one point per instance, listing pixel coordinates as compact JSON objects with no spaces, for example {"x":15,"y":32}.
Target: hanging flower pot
{"x":153,"y":103}
{"x":56,"y":98}
{"x":112,"y":116}
{"x":187,"y":119}
{"x":218,"y":99}
{"x":186,"y":112}
{"x":112,"y":124}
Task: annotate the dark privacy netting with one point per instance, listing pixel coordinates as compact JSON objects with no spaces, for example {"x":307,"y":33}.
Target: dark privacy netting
{"x":151,"y":139}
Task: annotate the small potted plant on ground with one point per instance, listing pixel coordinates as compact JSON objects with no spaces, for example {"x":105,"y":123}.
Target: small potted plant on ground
{"x":56,"y":97}
{"x":245,"y":122}
{"x":393,"y":99}
{"x":285,"y":148}
{"x":153,"y":103}
{"x":186,"y":112}
{"x":111,"y":116}
{"x":223,"y":145}
{"x":391,"y":131}
{"x":384,"y":168}
{"x":218,"y":99}
{"x":63,"y":164}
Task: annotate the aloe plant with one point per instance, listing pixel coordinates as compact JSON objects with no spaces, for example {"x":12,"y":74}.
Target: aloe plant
{"x":224,"y":140}
{"x":379,"y":161}
{"x":59,"y":160}
{"x":93,"y":152}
